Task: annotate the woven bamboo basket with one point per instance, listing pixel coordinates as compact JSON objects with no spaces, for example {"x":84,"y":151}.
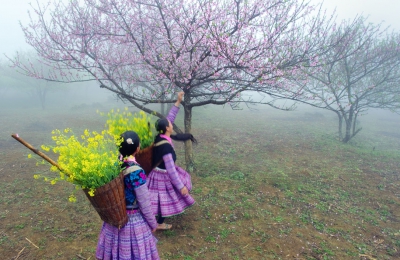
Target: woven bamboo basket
{"x":145,"y":157}
{"x":109,"y":202}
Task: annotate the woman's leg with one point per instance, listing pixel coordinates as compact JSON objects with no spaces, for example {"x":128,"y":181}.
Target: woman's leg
{"x":160,"y":220}
{"x":161,"y":224}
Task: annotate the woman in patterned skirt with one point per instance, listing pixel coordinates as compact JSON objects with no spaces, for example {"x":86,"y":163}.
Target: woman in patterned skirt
{"x":169,"y":184}
{"x":134,"y":240}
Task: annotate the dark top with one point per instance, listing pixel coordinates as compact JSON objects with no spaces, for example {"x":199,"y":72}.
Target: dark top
{"x":160,"y":151}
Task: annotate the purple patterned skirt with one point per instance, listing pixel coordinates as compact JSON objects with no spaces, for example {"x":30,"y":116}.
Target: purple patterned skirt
{"x":133,"y":241}
{"x":165,"y":198}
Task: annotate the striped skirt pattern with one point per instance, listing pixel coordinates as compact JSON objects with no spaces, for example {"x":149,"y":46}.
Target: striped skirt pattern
{"x":133,"y":241}
{"x":165,"y":198}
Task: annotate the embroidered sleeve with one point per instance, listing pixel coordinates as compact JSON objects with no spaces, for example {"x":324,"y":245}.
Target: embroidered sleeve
{"x":173,"y":174}
{"x":135,"y":179}
{"x":143,"y":198}
{"x":172,"y":114}
{"x":132,"y":181}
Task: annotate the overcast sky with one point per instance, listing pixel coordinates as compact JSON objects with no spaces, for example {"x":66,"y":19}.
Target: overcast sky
{"x":13,"y":11}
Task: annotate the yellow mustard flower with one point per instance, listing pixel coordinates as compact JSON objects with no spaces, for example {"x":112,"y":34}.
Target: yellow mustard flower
{"x":89,"y":159}
{"x":72,"y":198}
{"x":91,"y":192}
{"x":45,"y":148}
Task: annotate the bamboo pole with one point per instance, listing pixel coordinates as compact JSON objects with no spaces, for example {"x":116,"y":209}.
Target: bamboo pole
{"x":38,"y":152}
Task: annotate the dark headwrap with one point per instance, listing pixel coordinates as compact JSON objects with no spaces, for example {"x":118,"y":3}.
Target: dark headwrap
{"x":130,"y":143}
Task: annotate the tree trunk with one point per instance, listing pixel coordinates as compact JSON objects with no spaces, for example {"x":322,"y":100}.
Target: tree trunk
{"x":355,"y":131}
{"x":188,"y":144}
{"x":41,"y":92}
{"x":347,"y":136}
{"x":355,"y":125}
{"x":349,"y":124}
{"x":340,"y":125}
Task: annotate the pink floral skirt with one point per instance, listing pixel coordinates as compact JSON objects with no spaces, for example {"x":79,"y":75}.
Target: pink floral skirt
{"x":133,"y":241}
{"x":165,"y":198}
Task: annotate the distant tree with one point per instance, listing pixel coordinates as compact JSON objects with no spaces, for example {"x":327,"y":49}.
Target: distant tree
{"x":212,"y":50}
{"x":4,"y":80}
{"x":20,"y":81}
{"x":362,"y":72}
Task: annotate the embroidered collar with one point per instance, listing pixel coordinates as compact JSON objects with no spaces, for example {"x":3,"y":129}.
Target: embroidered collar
{"x":130,"y":159}
{"x":168,"y":139}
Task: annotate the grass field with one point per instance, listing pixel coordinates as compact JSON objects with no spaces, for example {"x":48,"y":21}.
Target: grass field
{"x":268,"y":185}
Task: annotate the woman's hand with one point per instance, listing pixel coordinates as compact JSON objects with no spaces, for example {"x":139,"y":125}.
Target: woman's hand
{"x":184,"y":191}
{"x":180,"y":97}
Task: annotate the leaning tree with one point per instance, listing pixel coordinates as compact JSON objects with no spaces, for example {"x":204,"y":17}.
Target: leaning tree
{"x":360,"y":73}
{"x":212,"y":50}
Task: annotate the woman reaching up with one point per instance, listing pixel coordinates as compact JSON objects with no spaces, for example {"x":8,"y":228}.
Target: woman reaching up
{"x":169,"y":184}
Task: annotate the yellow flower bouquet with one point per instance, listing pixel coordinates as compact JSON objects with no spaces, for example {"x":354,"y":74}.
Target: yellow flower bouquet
{"x":91,"y":160}
{"x":120,"y":121}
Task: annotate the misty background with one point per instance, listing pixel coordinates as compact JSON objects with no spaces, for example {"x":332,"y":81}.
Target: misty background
{"x":279,"y":167}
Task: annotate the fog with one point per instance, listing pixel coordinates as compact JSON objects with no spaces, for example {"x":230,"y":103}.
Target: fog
{"x":62,"y":95}
{"x":81,"y":96}
{"x":13,"y":12}
{"x":383,"y":11}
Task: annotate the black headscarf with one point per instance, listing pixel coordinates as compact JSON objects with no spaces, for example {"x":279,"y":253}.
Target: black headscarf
{"x":130,"y":143}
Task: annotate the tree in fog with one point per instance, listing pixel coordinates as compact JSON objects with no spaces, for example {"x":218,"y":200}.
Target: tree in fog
{"x":5,"y":81}
{"x":18,"y":80}
{"x":212,"y":50}
{"x":361,"y":73}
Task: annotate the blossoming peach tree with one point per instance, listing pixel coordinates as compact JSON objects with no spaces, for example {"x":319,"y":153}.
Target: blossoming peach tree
{"x":214,"y":51}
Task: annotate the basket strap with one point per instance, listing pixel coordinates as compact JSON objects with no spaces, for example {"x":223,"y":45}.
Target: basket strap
{"x":158,"y":144}
{"x":161,"y":142}
{"x":132,"y":169}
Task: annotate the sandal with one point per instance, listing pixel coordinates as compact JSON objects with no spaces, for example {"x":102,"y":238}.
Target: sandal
{"x":164,"y":226}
